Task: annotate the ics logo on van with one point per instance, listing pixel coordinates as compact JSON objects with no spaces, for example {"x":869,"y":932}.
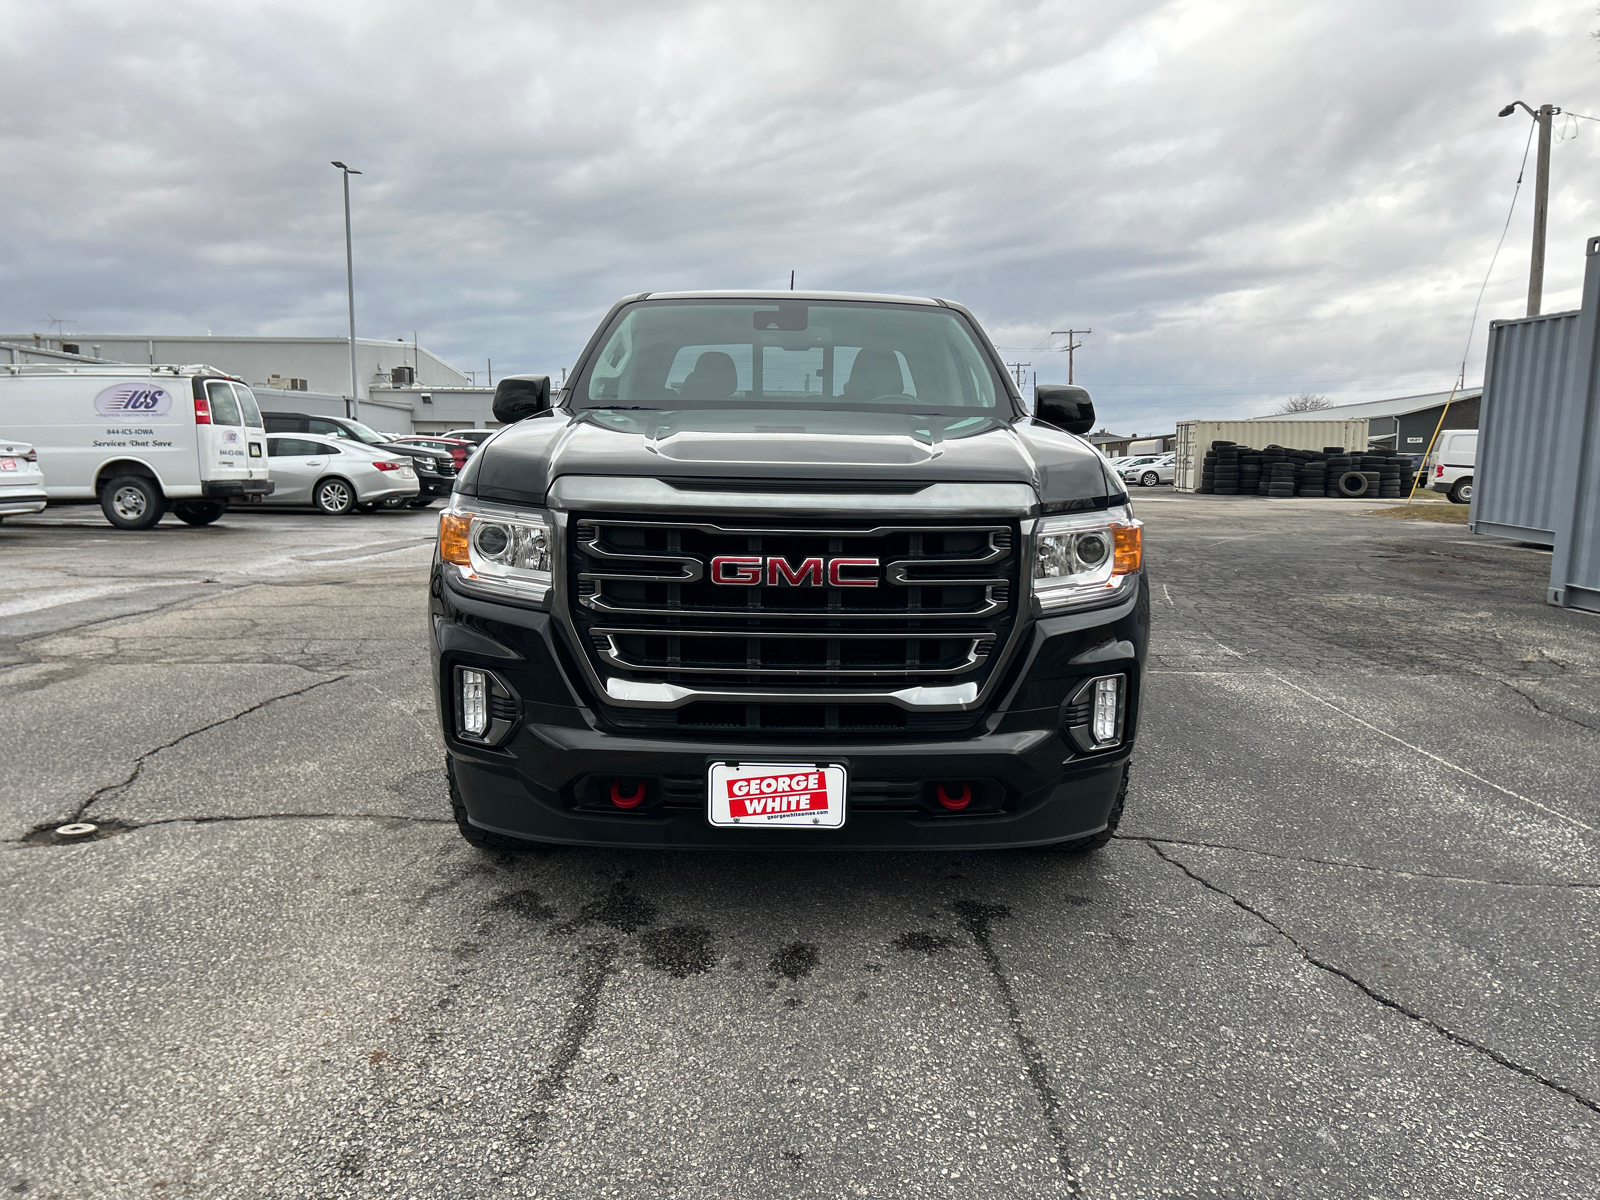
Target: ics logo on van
{"x":133,"y":399}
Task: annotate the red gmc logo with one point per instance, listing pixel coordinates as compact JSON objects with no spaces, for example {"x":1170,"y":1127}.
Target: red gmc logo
{"x":753,"y":570}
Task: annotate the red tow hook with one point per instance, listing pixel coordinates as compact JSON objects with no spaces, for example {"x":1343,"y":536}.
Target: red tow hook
{"x":954,"y":803}
{"x":633,"y":801}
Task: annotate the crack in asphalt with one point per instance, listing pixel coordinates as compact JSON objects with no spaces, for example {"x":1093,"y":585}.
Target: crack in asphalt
{"x":1151,"y":839}
{"x":138,"y":763}
{"x":976,"y":918}
{"x":579,"y":1024}
{"x":1372,"y":993}
{"x":1545,"y":712}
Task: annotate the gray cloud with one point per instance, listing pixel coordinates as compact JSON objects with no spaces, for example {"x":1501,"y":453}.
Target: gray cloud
{"x":1244,"y":200}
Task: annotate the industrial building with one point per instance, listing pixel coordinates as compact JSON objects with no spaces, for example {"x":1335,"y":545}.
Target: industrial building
{"x":307,"y":364}
{"x":404,"y":388}
{"x":1404,"y":424}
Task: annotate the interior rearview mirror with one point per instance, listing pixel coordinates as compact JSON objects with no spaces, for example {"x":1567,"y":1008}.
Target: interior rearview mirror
{"x":1065,"y":406}
{"x":517,"y":397}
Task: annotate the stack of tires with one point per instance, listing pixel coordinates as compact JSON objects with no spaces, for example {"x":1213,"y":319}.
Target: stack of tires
{"x":1229,"y":469}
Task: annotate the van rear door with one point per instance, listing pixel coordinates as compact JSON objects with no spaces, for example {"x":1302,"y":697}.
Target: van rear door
{"x":255,"y":434}
{"x":223,"y":451}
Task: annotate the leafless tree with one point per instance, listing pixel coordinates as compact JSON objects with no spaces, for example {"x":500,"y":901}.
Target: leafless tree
{"x":1305,"y":402}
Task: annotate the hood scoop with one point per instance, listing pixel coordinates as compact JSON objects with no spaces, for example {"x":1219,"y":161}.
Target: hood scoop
{"x":795,"y":449}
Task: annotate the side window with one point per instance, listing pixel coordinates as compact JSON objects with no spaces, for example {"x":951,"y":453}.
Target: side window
{"x":326,"y":429}
{"x":282,"y":447}
{"x":224,"y":404}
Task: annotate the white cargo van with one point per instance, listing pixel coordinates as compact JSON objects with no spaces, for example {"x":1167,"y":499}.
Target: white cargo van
{"x":140,"y":440}
{"x":1454,"y":458}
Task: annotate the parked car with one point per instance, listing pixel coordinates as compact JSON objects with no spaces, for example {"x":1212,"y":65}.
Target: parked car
{"x":21,"y":482}
{"x":436,"y":473}
{"x":1455,"y":458}
{"x":476,"y":436}
{"x":1149,"y":470}
{"x":336,"y":475}
{"x":140,"y":440}
{"x":459,"y":449}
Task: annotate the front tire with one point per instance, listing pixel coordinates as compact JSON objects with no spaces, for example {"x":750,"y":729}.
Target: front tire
{"x":335,"y":497}
{"x":421,"y":502}
{"x":1095,"y":841}
{"x":132,"y":502}
{"x":203,"y":512}
{"x":481,"y":838}
{"x":1461,"y":492}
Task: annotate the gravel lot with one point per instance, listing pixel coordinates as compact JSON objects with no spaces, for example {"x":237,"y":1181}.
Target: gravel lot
{"x":1345,"y":946}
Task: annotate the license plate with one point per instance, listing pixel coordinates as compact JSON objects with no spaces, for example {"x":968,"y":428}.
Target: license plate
{"x":8,"y":464}
{"x":790,"y":795}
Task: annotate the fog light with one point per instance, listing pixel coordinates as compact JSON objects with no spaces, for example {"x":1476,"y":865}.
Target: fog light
{"x":474,"y":702}
{"x":1095,"y":715}
{"x":1107,"y":709}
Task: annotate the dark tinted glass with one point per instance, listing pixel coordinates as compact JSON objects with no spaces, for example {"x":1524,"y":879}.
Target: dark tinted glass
{"x":711,"y":353}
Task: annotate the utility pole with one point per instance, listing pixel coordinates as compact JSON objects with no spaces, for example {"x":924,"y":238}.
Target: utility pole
{"x":1016,"y":371}
{"x":354,"y":409}
{"x":1541,"y":198}
{"x":490,"y":361}
{"x":1071,"y":345}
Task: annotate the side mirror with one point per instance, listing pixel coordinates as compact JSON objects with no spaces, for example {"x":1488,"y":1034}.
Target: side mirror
{"x":517,"y":397}
{"x":1065,"y":406}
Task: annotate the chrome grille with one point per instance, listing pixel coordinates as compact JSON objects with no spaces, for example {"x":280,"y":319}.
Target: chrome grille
{"x":644,"y":605}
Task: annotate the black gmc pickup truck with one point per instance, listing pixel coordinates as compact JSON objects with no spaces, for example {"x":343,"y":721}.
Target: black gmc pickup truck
{"x":788,"y":571}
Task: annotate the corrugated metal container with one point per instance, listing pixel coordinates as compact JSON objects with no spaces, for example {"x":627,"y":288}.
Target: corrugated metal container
{"x":1575,"y":563}
{"x":1195,"y":438}
{"x":1537,"y":477}
{"x":1526,"y":386}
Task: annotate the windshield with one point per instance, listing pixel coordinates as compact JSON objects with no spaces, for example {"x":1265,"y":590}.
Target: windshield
{"x":365,"y":433}
{"x":828,"y":354}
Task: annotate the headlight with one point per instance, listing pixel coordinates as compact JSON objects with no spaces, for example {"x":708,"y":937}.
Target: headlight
{"x":500,"y":551}
{"x":1086,"y":559}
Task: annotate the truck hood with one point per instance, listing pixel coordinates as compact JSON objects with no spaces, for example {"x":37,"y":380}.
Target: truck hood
{"x":520,"y":463}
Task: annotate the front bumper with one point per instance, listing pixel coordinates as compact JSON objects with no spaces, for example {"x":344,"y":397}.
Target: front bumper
{"x":222,"y":489}
{"x":546,"y":781}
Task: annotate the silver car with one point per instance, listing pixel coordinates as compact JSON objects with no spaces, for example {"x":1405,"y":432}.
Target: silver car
{"x":336,"y":475}
{"x":1149,"y":470}
{"x":21,"y":481}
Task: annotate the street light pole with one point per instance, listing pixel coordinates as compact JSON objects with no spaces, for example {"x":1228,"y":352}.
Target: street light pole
{"x":1541,"y":198}
{"x":353,"y":405}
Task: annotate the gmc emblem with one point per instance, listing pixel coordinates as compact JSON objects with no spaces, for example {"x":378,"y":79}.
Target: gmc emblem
{"x":752,"y":570}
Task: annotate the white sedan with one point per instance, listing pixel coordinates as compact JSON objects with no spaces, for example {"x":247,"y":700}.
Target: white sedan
{"x":1149,"y":470}
{"x":335,"y":475}
{"x":21,"y":481}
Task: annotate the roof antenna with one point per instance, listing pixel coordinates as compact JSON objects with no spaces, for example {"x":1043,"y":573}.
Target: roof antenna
{"x":791,"y":281}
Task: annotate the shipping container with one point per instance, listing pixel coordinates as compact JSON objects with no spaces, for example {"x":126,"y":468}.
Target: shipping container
{"x":1539,"y":441}
{"x":1526,"y":392}
{"x":1195,"y":438}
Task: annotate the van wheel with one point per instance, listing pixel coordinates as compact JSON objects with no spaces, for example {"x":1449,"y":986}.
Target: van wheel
{"x":1094,"y":841}
{"x":132,"y":502}
{"x":335,"y":497}
{"x":203,"y":512}
{"x":1461,"y":493}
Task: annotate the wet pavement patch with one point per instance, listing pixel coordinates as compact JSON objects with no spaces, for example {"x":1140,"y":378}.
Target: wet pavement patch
{"x":679,"y":950}
{"x":621,"y":910}
{"x":795,"y":961}
{"x":925,"y":942}
{"x":526,"y":903}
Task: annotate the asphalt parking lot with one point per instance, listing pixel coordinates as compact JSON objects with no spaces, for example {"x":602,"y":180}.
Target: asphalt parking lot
{"x":1345,"y":945}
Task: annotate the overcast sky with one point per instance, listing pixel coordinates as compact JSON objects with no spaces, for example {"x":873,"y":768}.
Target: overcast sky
{"x":1242,"y":200}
